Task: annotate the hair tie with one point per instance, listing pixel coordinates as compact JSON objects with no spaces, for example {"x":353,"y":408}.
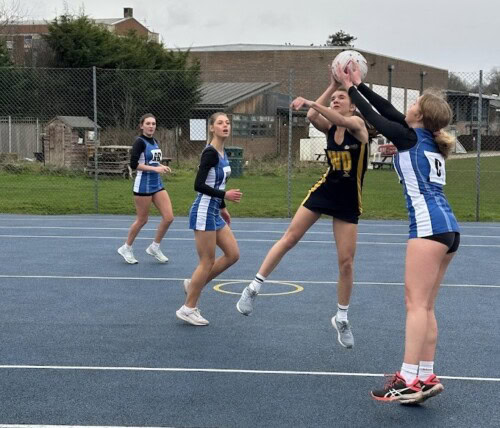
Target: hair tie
{"x":437,"y":133}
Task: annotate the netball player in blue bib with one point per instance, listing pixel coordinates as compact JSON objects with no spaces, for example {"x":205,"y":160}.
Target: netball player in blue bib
{"x":337,"y":194}
{"x":210,"y":219}
{"x":434,"y":233}
{"x":148,"y":188}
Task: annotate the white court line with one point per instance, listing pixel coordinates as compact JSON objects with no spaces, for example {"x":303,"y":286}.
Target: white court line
{"x":127,"y":278}
{"x":239,"y":371}
{"x":302,"y":241}
{"x":80,"y":426}
{"x":312,"y":232}
{"x":235,"y":221}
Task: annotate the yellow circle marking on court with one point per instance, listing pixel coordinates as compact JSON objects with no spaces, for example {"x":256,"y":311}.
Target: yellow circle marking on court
{"x":295,"y":288}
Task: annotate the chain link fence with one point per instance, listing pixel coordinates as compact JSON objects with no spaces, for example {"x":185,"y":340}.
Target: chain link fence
{"x":66,"y":136}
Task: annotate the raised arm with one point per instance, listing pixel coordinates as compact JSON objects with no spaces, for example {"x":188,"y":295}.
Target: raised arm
{"x":384,"y":107}
{"x":403,"y":137}
{"x":320,"y":122}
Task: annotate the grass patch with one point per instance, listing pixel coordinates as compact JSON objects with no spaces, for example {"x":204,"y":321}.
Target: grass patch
{"x":36,"y":190}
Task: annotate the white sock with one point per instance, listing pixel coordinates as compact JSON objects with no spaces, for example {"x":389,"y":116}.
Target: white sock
{"x":128,"y":247}
{"x":155,"y":246}
{"x":409,"y":372}
{"x":342,"y":312}
{"x":257,"y":282}
{"x":425,"y":369}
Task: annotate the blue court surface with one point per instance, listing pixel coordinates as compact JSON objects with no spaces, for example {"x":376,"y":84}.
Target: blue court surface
{"x":86,"y":339}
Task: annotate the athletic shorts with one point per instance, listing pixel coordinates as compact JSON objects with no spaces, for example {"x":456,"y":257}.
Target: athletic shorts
{"x":148,"y":194}
{"x":450,"y":239}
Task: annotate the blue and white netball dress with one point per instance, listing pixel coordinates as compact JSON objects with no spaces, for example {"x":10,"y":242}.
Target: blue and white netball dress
{"x":419,"y":164}
{"x":422,"y":172}
{"x":210,"y":184}
{"x":146,"y":151}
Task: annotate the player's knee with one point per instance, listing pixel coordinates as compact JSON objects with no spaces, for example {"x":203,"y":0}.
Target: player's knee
{"x":233,"y":256}
{"x":142,"y":220}
{"x":346,"y":265}
{"x":289,"y":240}
{"x":168,"y":220}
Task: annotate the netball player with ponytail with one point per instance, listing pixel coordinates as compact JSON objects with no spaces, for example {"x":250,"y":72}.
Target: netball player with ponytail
{"x":210,"y":219}
{"x":337,"y":194}
{"x":434,"y":234}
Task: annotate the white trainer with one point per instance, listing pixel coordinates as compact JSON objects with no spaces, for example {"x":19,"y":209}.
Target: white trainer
{"x":157,"y":254}
{"x":191,"y":316}
{"x":186,"y":285}
{"x":127,"y":254}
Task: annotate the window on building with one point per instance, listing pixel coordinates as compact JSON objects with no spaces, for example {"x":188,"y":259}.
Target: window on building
{"x":28,"y":42}
{"x":9,"y":44}
{"x":246,"y":125}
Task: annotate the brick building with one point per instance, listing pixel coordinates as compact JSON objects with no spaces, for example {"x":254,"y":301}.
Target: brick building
{"x":26,"y":46}
{"x":272,"y":63}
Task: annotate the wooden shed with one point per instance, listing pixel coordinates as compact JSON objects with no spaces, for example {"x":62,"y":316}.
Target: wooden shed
{"x":66,"y":140}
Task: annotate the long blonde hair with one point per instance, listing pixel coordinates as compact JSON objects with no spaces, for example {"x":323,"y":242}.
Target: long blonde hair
{"x":211,"y":121}
{"x":436,"y":115}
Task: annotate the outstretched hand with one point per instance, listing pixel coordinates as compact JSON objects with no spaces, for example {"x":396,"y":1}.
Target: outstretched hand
{"x":300,"y":102}
{"x":344,"y":75}
{"x":355,"y":73}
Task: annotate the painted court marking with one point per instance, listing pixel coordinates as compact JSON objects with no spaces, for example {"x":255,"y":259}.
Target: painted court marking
{"x":157,"y":279}
{"x":212,"y":370}
{"x":302,"y":241}
{"x":295,"y":288}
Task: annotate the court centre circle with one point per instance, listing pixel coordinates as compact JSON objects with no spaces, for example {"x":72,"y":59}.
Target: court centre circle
{"x":295,"y":288}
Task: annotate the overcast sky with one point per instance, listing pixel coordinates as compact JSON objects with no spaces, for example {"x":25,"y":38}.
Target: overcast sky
{"x":458,"y":35}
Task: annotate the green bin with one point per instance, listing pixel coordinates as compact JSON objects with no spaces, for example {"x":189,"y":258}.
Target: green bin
{"x":235,"y":156}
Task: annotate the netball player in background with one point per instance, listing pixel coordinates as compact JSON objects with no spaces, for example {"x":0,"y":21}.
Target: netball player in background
{"x":434,"y":233}
{"x":148,"y":187}
{"x":337,"y":194}
{"x":210,"y":219}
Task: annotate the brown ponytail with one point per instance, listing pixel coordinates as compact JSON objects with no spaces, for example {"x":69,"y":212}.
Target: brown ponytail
{"x":436,"y":115}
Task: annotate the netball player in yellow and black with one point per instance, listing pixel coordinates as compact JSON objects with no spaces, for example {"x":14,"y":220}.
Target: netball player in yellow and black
{"x":337,"y":193}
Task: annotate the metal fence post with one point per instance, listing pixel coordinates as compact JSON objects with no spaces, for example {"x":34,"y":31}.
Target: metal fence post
{"x":10,"y":134}
{"x":478,"y":142}
{"x":96,"y":143}
{"x":290,"y":120}
{"x":390,"y":68}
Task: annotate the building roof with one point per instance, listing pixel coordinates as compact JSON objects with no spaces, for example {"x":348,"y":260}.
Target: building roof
{"x":245,"y":47}
{"x":226,"y":94}
{"x":81,"y":122}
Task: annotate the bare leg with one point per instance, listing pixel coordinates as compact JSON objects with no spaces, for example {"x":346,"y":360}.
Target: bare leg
{"x":424,"y":259}
{"x":429,"y":348}
{"x":345,"y":238}
{"x":301,"y":222}
{"x":205,"y":245}
{"x":227,"y":243}
{"x":142,"y":204}
{"x":162,"y":202}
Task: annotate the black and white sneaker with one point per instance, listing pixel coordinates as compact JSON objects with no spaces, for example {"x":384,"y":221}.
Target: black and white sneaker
{"x":396,"y":389}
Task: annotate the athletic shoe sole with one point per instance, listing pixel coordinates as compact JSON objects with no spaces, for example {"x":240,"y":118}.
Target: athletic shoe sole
{"x":435,"y":390}
{"x":183,"y":317}
{"x":338,"y":334}
{"x":410,"y":399}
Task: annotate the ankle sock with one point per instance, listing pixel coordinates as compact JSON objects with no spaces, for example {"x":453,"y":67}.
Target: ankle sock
{"x":257,"y":282}
{"x":425,"y":369}
{"x":409,"y":372}
{"x":342,"y":312}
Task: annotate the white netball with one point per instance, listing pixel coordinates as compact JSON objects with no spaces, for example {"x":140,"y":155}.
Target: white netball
{"x":344,"y":58}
